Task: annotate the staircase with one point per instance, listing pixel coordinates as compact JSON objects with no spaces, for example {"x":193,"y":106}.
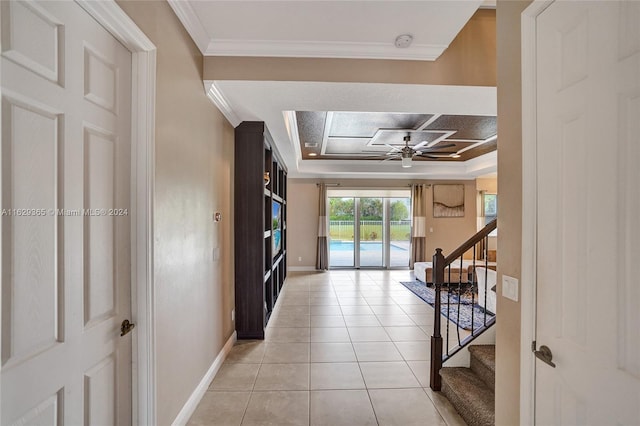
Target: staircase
{"x":472,"y":390}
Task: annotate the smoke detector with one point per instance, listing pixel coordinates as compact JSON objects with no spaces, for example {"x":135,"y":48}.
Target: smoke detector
{"x":403,"y":41}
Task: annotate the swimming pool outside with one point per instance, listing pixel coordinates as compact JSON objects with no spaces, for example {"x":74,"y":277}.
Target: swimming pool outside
{"x":366,"y":246}
{"x":341,"y":253}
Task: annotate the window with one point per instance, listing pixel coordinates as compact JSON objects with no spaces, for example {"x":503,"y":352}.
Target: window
{"x":489,"y":207}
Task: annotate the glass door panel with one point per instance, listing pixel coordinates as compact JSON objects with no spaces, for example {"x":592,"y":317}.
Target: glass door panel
{"x":399,"y":231}
{"x":371,"y":232}
{"x":341,"y":232}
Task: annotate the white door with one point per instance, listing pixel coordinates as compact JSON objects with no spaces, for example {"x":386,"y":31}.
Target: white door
{"x":66,"y":107}
{"x":588,"y":215}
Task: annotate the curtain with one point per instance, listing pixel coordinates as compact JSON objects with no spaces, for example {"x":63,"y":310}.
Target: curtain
{"x":322,"y":254}
{"x":418,"y":231}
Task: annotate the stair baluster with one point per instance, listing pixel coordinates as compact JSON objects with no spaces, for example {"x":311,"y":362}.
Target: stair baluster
{"x":440,"y":263}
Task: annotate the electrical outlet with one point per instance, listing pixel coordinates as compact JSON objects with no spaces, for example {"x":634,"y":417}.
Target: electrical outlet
{"x":233,"y":315}
{"x":300,"y":259}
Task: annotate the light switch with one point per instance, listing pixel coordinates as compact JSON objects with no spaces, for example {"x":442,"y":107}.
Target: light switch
{"x":216,"y":254}
{"x":510,"y":287}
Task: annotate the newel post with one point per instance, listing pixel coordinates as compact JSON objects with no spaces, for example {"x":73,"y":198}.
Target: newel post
{"x":436,"y":338}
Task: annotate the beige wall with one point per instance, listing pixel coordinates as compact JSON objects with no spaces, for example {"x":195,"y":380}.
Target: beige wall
{"x":302,"y":223}
{"x":302,"y":217}
{"x":487,"y":184}
{"x":194,"y":161}
{"x":509,"y":208}
{"x":470,"y":60}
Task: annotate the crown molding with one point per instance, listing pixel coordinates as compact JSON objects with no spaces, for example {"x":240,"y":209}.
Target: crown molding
{"x":191,"y":22}
{"x":291,"y":123}
{"x":218,"y":99}
{"x":457,"y":170}
{"x":317,"y":49}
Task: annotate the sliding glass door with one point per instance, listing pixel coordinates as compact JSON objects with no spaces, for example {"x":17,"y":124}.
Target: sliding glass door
{"x":342,"y":232}
{"x":369,"y":232}
{"x":399,"y":231}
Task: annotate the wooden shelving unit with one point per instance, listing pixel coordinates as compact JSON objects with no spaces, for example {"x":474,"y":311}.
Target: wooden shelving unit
{"x":260,"y":222}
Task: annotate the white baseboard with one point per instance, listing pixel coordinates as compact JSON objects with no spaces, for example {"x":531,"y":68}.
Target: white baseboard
{"x":192,"y":403}
{"x":301,"y":268}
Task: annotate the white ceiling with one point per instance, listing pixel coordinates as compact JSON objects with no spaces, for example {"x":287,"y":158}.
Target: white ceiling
{"x":329,"y":29}
{"x":275,"y":102}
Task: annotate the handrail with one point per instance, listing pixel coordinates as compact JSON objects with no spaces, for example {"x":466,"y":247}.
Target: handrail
{"x":439,"y":264}
{"x":468,"y":245}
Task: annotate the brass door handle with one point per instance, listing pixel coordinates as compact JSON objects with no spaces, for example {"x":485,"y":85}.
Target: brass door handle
{"x":126,"y":327}
{"x":544,"y":354}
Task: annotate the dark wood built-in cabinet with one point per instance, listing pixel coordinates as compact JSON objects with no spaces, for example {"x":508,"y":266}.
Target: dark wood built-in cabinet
{"x":260,"y":221}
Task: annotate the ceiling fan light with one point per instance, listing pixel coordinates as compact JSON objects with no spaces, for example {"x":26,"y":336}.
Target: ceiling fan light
{"x":406,"y":162}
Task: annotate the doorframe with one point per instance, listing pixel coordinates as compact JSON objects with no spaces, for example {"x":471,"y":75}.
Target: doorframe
{"x":529,"y":208}
{"x":143,"y":103}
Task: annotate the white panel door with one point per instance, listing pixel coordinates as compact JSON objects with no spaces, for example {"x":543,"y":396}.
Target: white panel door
{"x":66,"y":108}
{"x":588,"y":214}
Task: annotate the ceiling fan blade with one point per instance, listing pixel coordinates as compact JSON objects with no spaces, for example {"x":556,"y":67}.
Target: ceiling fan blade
{"x":392,"y":147}
{"x":434,"y":148}
{"x":420,"y":145}
{"x":438,"y":155}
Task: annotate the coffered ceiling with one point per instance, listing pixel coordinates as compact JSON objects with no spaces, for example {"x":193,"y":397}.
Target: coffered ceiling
{"x":348,"y":126}
{"x":324,"y":29}
{"x":377,"y":135}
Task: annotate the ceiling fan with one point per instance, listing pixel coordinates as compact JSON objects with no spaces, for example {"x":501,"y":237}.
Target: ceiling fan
{"x":423,"y":149}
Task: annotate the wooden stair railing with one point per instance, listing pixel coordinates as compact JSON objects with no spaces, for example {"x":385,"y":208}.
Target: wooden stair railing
{"x":442,"y":269}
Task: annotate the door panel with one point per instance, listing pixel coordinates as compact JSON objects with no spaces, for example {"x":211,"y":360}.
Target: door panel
{"x":399,"y":231}
{"x":371,"y":232}
{"x":588,"y":86}
{"x":32,"y":312}
{"x":99,"y":393}
{"x":99,"y":238}
{"x":342,"y":232}
{"x":34,"y":38}
{"x":66,"y":107}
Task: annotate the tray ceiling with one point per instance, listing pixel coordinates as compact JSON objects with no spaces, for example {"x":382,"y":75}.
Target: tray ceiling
{"x":464,"y":115}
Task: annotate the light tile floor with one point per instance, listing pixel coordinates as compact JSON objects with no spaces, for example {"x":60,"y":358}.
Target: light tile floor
{"x":341,"y":348}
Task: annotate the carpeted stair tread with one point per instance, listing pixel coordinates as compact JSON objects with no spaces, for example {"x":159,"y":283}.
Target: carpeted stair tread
{"x":483,"y":363}
{"x":485,"y":354}
{"x":469,"y":395}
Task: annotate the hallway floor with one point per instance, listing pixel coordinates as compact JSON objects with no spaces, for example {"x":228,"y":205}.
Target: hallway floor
{"x":342,"y":348}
